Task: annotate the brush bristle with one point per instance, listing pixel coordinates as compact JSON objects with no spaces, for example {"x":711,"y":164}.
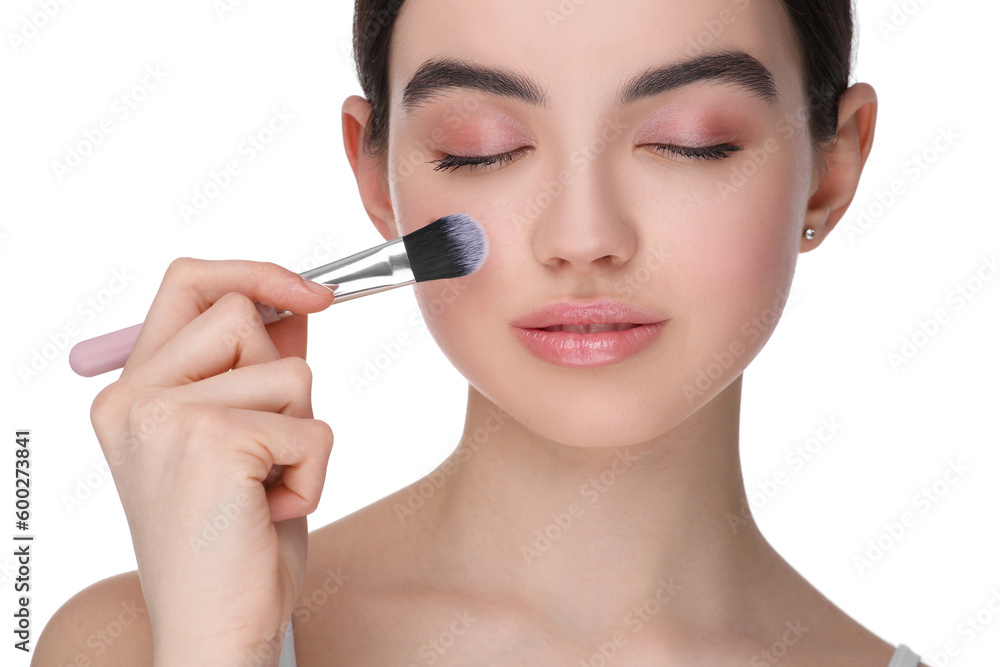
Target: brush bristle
{"x":450,"y":247}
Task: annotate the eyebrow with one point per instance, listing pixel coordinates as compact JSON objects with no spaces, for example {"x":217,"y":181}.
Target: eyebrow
{"x":735,"y":67}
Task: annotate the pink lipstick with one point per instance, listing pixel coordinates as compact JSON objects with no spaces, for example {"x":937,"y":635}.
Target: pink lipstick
{"x":588,"y":335}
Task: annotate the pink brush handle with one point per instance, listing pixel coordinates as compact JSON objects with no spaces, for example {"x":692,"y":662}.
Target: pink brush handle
{"x":106,"y":353}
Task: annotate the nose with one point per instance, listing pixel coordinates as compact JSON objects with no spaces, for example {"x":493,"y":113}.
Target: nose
{"x":586,"y":224}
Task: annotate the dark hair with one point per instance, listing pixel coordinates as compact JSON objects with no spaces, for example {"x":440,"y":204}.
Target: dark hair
{"x":825,"y":30}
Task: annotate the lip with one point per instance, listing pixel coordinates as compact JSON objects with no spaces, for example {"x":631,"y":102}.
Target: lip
{"x":570,"y":349}
{"x":594,"y":312}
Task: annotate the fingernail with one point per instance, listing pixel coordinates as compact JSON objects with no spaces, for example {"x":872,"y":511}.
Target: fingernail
{"x":316,"y":287}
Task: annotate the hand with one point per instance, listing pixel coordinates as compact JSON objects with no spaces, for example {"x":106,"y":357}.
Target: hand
{"x":208,"y":403}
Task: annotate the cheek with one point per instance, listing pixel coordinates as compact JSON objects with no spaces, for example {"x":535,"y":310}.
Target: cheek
{"x":456,"y":319}
{"x":764,"y":220}
{"x":755,"y":254}
{"x":741,"y":261}
{"x":461,"y":314}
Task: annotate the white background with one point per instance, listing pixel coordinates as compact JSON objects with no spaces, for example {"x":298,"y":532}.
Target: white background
{"x":852,"y":303}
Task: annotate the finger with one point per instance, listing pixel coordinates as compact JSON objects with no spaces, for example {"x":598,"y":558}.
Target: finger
{"x":301,"y":485}
{"x":301,"y":446}
{"x":230,"y":334}
{"x":289,"y":336}
{"x":293,"y":541}
{"x":191,"y":286}
{"x":282,"y":386}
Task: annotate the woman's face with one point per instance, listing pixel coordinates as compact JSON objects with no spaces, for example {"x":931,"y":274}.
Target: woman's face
{"x":589,"y":208}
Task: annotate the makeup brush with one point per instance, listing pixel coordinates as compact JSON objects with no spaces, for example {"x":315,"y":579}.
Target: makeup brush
{"x":450,"y":247}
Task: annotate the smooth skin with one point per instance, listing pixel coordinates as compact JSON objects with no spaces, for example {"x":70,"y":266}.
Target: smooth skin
{"x":643,"y":462}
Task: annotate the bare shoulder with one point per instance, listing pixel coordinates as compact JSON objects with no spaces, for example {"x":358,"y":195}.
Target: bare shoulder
{"x":104,"y":624}
{"x":343,"y":558}
{"x":371,"y":593}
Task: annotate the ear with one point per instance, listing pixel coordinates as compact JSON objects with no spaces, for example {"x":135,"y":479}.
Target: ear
{"x":833,"y":188}
{"x":369,"y":171}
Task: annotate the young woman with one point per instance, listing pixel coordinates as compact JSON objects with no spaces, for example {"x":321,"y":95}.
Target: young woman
{"x":655,"y":165}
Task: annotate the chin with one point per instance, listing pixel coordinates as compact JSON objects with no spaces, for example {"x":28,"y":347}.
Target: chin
{"x":608,"y":425}
{"x":582,"y":413}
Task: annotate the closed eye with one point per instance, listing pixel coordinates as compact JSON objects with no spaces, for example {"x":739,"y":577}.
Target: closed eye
{"x":718,"y":152}
{"x":476,"y":163}
{"x":482,"y":163}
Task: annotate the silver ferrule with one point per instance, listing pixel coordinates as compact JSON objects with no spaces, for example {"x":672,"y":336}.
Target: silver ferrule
{"x":377,"y":269}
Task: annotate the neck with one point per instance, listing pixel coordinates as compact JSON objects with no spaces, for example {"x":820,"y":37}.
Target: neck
{"x":603,"y":539}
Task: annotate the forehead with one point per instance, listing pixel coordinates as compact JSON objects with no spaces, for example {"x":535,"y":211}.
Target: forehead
{"x":580,"y":51}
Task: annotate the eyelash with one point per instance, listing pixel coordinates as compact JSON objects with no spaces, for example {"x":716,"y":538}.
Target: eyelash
{"x":454,"y":162}
{"x":718,"y":152}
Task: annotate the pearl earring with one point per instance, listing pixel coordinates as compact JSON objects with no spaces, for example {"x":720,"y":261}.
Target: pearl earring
{"x":810,"y":233}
